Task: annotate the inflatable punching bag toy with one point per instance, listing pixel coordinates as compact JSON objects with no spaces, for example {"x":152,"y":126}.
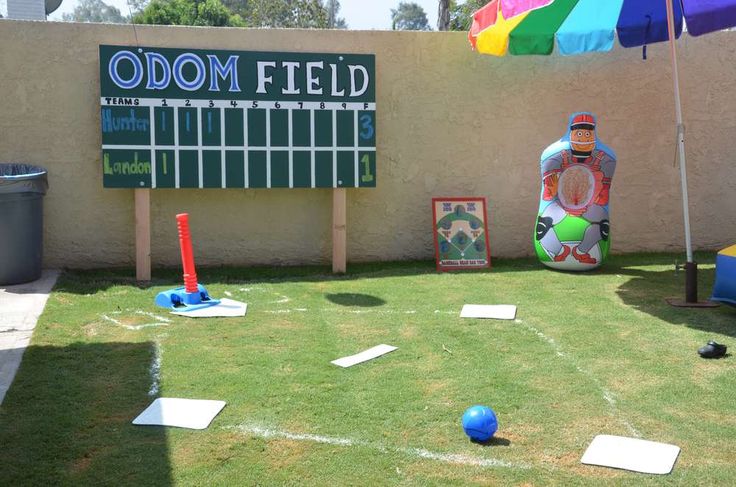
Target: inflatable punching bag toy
{"x":573,"y":231}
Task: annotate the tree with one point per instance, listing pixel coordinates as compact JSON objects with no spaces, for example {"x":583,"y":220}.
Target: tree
{"x":137,"y":6}
{"x":443,"y":14}
{"x":305,"y":14}
{"x":242,"y":13}
{"x":409,"y":16}
{"x":188,"y":12}
{"x":461,"y":16}
{"x":333,"y":21}
{"x":95,"y":11}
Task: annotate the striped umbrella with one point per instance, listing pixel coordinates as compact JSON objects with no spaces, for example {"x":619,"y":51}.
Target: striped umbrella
{"x":526,"y":27}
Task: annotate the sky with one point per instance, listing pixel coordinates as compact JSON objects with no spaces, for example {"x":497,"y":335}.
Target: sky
{"x":359,"y":14}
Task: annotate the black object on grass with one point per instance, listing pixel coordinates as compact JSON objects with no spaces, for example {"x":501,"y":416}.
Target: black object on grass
{"x":712,"y":350}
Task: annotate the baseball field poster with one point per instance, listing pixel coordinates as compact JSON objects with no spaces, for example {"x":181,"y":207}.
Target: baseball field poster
{"x":461,"y":233}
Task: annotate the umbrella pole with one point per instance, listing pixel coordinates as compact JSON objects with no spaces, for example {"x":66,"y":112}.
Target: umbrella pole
{"x":691,"y":268}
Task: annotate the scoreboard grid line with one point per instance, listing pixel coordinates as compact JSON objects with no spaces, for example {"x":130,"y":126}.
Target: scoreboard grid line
{"x":152,"y":122}
{"x":311,"y":143}
{"x":175,"y":123}
{"x":334,"y":153}
{"x":252,"y":104}
{"x":223,"y":165}
{"x":200,"y":162}
{"x":268,"y":153}
{"x":246,"y":166}
{"x":291,"y":153}
{"x":355,"y":143}
{"x":261,"y":148}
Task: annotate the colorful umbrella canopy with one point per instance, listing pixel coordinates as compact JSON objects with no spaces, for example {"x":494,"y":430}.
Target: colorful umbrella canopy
{"x":523,"y":27}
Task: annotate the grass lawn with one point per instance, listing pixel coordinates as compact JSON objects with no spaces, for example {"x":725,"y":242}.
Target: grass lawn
{"x":594,"y":353}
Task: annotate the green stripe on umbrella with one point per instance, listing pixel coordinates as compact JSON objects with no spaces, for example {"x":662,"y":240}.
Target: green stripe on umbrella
{"x":536,"y":34}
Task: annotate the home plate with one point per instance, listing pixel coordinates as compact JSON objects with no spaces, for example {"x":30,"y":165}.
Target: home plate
{"x":226,"y":308}
{"x":364,"y":356}
{"x":631,"y":454}
{"x":494,"y":311}
{"x":183,"y":413}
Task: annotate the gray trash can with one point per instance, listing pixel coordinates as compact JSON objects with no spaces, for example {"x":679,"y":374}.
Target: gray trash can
{"x":22,"y":187}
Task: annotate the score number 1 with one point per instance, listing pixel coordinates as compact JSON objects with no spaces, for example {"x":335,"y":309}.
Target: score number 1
{"x":366,"y":177}
{"x":366,"y":133}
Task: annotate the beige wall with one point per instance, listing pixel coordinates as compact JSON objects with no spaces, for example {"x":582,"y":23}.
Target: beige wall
{"x":450,"y":123}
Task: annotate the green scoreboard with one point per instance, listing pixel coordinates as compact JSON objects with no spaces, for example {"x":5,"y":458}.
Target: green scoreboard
{"x":189,"y":118}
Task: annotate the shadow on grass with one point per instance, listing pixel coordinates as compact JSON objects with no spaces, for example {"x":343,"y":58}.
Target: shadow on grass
{"x":646,"y":291}
{"x":67,"y":418}
{"x":90,"y":281}
{"x":93,"y":280}
{"x":494,"y":441}
{"x":355,"y":299}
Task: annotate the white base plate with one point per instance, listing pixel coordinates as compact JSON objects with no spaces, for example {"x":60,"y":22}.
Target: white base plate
{"x":631,"y":454}
{"x":226,"y":308}
{"x":494,"y":311}
{"x":364,"y":356}
{"x":183,"y":413}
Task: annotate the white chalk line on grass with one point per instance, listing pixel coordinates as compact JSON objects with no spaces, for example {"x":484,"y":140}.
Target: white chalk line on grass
{"x":346,"y":311}
{"x":155,"y":370}
{"x":285,"y":299}
{"x":111,"y":320}
{"x":607,"y":395}
{"x":456,"y":458}
{"x":160,"y":320}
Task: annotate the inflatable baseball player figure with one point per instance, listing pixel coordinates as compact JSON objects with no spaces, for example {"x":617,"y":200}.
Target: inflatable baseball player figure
{"x":572,"y":230}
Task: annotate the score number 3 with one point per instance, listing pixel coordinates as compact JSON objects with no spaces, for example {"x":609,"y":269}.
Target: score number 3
{"x":366,"y":127}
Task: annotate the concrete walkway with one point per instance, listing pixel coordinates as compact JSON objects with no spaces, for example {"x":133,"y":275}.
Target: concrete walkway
{"x":20,"y":307}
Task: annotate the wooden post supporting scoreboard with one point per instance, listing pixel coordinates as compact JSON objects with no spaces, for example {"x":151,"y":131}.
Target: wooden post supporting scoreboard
{"x":339,"y":230}
{"x":142,"y":234}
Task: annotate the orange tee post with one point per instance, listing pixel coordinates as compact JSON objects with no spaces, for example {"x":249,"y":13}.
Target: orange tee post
{"x":187,"y":255}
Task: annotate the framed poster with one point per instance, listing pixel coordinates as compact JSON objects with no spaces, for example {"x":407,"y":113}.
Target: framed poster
{"x":460,"y":233}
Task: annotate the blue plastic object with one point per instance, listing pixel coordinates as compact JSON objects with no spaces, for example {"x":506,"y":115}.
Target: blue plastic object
{"x":480,"y":423}
{"x":178,"y":298}
{"x":644,"y":22}
{"x":724,"y":289}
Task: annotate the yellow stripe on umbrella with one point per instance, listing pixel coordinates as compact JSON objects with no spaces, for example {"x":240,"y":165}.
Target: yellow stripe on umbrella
{"x":495,"y":39}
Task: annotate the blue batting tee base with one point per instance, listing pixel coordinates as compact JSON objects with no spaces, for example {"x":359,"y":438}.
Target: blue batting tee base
{"x":179,"y":298}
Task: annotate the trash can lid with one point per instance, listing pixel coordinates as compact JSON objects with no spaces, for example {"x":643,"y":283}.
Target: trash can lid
{"x":19,"y":170}
{"x":22,"y":178}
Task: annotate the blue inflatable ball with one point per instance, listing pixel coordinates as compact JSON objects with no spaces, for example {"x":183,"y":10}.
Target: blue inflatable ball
{"x":480,"y":423}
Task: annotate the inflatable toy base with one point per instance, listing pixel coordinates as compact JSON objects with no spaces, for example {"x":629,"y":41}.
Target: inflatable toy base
{"x":572,"y":264}
{"x":568,"y":232}
{"x":724,"y":289}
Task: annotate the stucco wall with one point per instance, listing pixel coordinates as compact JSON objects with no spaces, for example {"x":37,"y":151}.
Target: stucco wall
{"x":450,"y":123}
